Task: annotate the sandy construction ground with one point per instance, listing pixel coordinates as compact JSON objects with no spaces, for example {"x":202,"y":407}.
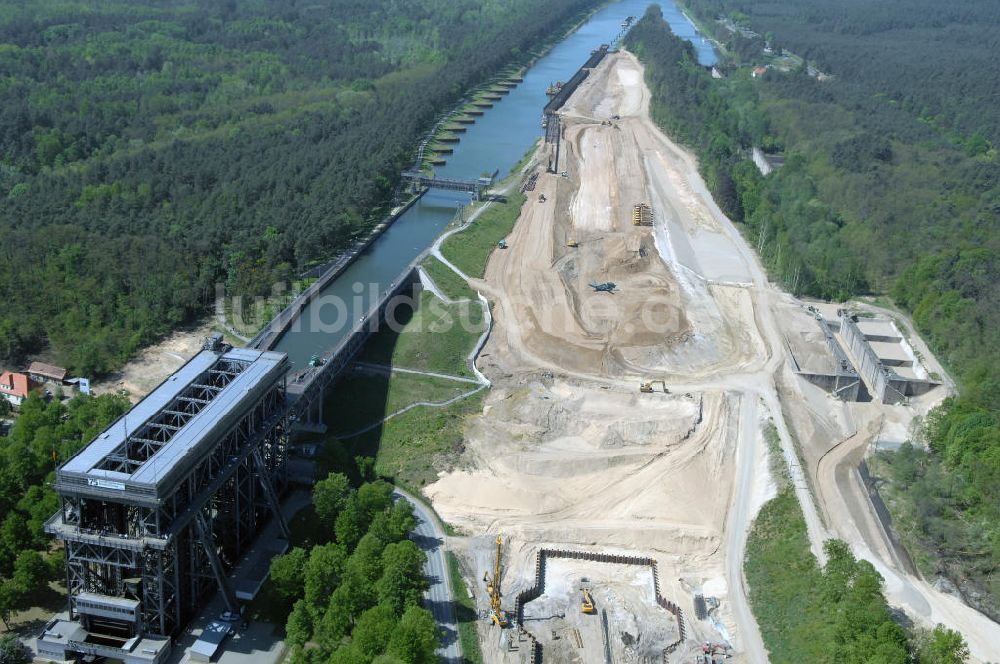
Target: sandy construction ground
{"x":687,"y":317}
{"x":639,"y":629}
{"x":567,"y":452}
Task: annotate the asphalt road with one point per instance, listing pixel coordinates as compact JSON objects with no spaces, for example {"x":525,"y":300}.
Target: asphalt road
{"x":429,"y":536}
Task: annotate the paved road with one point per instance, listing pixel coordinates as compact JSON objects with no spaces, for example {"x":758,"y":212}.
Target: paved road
{"x":429,"y":536}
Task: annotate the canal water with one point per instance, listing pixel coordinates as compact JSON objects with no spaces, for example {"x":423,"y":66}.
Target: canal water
{"x":497,"y":141}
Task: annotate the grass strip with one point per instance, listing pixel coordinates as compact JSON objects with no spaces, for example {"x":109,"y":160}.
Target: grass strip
{"x":470,"y":250}
{"x":452,"y":285}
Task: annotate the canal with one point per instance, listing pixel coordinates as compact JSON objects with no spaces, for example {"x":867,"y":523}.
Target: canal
{"x":497,"y":140}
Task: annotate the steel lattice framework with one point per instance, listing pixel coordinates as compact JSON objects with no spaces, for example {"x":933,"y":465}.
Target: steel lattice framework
{"x":159,"y":508}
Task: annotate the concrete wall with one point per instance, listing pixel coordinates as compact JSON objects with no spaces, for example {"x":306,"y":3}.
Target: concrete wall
{"x":844,"y":387}
{"x":879,"y":378}
{"x":886,"y":384}
{"x":843,"y":382}
{"x":758,"y":158}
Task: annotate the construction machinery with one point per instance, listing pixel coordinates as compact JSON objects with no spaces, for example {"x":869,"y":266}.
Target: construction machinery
{"x":710,"y":650}
{"x":605,"y":287}
{"x":572,"y":243}
{"x":541,"y":198}
{"x":587,"y":605}
{"x":497,"y":614}
{"x":642,"y":215}
{"x":502,"y":244}
{"x":647,"y":388}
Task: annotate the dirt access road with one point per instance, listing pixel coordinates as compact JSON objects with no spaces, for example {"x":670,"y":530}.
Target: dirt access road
{"x":567,"y":451}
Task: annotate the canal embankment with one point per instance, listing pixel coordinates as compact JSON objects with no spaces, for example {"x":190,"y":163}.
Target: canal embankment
{"x":272,"y":332}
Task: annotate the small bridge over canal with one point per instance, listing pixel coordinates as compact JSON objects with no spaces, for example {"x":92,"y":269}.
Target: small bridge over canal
{"x":475,"y":187}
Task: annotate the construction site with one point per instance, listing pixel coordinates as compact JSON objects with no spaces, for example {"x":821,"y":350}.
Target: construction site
{"x":637,"y":355}
{"x":596,"y":438}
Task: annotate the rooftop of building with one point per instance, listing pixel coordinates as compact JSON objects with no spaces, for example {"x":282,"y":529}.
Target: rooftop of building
{"x":176,"y":424}
{"x":47,"y":371}
{"x":64,"y":633}
{"x":15,"y":384}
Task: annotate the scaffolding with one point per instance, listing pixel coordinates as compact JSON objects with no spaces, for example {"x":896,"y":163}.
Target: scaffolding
{"x":158,"y":509}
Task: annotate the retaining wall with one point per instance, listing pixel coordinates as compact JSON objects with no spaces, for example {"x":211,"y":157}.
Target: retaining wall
{"x":570,"y":86}
{"x":844,"y":382}
{"x":886,"y":384}
{"x":538,"y":589}
{"x":882,"y":512}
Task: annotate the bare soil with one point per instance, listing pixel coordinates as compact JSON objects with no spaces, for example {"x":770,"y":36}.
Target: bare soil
{"x":152,"y":366}
{"x":567,"y":450}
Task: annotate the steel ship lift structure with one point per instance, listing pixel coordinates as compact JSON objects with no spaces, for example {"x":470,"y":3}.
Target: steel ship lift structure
{"x":157,"y":510}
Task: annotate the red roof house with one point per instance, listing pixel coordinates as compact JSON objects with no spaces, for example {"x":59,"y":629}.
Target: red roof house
{"x":14,"y":387}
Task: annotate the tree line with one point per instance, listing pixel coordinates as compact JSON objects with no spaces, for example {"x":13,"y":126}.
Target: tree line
{"x":43,"y":435}
{"x":836,"y":613}
{"x":354,"y":596}
{"x":872,"y":199}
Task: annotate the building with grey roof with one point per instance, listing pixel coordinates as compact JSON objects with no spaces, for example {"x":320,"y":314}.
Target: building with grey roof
{"x":161,"y":505}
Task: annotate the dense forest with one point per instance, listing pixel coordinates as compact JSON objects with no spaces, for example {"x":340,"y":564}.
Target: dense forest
{"x":149,"y":150}
{"x":44,"y":434}
{"x":353,"y":595}
{"x":935,"y":61}
{"x":877,"y":196}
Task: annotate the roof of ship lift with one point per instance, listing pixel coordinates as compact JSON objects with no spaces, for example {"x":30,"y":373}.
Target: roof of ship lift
{"x":264,"y":369}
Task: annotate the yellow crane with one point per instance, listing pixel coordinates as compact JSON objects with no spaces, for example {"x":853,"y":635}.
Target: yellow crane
{"x":587,"y":605}
{"x":497,"y":614}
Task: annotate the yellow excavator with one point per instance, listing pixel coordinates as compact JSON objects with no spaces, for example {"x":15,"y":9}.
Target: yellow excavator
{"x":587,"y":605}
{"x":497,"y":614}
{"x":572,"y":242}
{"x":647,"y":388}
